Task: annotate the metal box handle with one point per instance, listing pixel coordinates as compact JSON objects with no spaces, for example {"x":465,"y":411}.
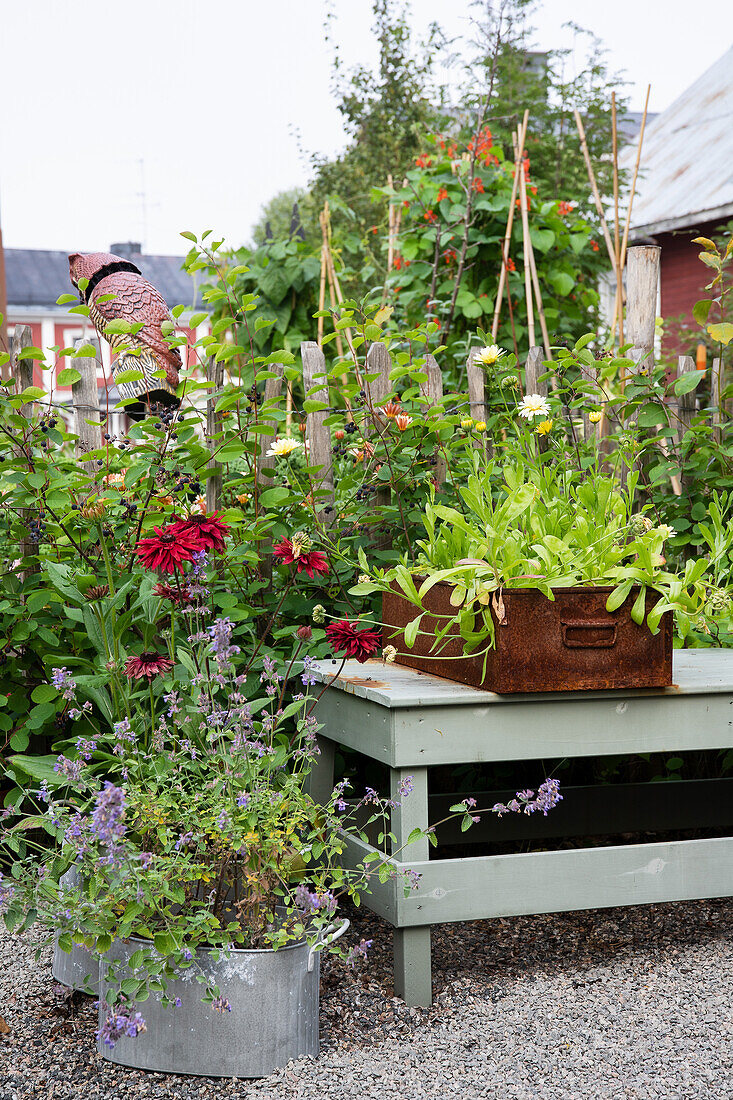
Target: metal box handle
{"x":576,"y":633}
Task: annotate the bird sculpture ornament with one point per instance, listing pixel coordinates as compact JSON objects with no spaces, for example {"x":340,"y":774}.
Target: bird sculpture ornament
{"x":136,"y":301}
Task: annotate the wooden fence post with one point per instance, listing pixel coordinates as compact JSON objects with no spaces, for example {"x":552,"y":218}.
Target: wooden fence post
{"x":716,"y":397}
{"x":379,"y":362}
{"x":684,"y":406}
{"x":533,"y":370}
{"x":318,"y":434}
{"x":22,"y":369}
{"x":85,"y":402}
{"x":215,"y":374}
{"x":642,"y":282}
{"x":435,"y":397}
{"x":477,"y":399}
{"x":590,"y":375}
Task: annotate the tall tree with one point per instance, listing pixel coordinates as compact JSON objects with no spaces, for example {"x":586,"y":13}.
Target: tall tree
{"x":385,"y":112}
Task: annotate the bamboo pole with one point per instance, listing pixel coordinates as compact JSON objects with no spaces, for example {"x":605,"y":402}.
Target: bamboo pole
{"x":322,"y":288}
{"x":625,"y":241}
{"x":509,"y":223}
{"x":390,"y":239}
{"x":594,"y":189}
{"x":526,"y":248}
{"x":616,"y":240}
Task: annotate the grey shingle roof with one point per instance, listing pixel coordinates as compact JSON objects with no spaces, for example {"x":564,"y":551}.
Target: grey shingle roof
{"x":686,"y":174}
{"x":36,"y":277}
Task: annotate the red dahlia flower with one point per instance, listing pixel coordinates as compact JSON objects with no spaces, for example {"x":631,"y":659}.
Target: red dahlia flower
{"x":175,"y":595}
{"x":310,"y":561}
{"x":353,"y":641}
{"x":146,"y":664}
{"x":167,"y":550}
{"x":209,"y":530}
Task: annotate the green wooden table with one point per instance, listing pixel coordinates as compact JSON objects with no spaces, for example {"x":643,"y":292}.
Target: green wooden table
{"x":412,"y":721}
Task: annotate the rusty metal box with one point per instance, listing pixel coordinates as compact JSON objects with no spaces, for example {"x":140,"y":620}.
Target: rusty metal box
{"x":570,"y":644}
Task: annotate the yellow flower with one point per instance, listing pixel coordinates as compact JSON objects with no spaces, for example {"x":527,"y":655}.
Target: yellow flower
{"x":544,"y":427}
{"x":596,"y":416}
{"x":488,"y":356}
{"x":467,"y":423}
{"x":480,"y":426}
{"x":283,"y":447}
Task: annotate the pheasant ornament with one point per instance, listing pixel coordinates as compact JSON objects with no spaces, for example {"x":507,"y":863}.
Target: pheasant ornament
{"x":135,"y":300}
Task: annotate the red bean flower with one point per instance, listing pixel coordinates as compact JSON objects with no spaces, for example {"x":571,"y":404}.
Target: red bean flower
{"x":167,"y":550}
{"x":147,"y":664}
{"x":354,"y":641}
{"x":308,"y":561}
{"x":209,"y":530}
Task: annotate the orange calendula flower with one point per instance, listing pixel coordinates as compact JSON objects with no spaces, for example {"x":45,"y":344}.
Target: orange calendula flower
{"x":391,"y":409}
{"x":403,"y":421}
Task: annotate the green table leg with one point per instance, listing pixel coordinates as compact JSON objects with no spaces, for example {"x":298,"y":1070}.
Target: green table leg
{"x":319,"y":783}
{"x":412,"y":963}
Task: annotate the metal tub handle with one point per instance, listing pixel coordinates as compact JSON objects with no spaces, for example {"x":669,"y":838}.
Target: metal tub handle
{"x":326,"y":936}
{"x":589,"y":633}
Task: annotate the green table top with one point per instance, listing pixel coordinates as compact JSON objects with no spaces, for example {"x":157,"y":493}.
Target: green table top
{"x":695,"y":672}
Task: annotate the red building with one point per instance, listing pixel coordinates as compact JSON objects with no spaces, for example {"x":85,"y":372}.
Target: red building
{"x":685,"y":190}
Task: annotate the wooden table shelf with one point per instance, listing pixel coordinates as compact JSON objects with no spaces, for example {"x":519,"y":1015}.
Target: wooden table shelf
{"x":412,"y":721}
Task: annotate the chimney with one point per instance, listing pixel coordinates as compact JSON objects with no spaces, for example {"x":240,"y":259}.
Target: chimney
{"x":126,"y":249}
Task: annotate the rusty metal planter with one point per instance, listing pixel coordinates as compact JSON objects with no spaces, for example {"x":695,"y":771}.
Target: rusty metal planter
{"x":569,"y":644}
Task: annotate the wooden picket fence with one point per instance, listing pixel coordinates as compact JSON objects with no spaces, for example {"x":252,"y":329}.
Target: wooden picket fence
{"x":642,"y":282}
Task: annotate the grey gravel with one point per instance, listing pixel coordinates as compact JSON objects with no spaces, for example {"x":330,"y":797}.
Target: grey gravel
{"x":612,"y":1003}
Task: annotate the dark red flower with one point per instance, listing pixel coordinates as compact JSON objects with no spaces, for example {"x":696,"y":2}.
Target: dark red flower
{"x":167,"y":550}
{"x":175,"y":595}
{"x":309,"y":561}
{"x":354,"y":641}
{"x":146,"y":664}
{"x":209,"y":530}
{"x":305,"y":633}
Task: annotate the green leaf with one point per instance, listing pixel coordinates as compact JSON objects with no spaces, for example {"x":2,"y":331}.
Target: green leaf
{"x":44,"y":693}
{"x":561,"y":282}
{"x":30,"y":353}
{"x":639,"y":608}
{"x":701,"y":309}
{"x":411,"y":631}
{"x":619,"y":595}
{"x":688,"y":381}
{"x":67,"y":376}
{"x":38,"y":767}
{"x":722,"y":332}
{"x":64,"y":299}
{"x":129,"y":376}
{"x":542,"y":239}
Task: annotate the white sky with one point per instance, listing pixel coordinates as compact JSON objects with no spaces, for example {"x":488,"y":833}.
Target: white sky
{"x":196,"y":103}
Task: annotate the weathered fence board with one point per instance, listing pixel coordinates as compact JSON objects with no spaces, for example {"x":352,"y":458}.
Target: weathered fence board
{"x":317,"y":433}
{"x":85,"y":399}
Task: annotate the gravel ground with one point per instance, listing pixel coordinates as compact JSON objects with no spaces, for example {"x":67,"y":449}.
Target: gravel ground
{"x":586,"y":1006}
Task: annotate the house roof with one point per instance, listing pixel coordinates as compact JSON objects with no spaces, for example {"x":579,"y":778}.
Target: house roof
{"x":686,"y":173}
{"x":36,"y":277}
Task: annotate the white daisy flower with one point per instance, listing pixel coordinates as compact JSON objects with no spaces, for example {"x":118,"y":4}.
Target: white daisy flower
{"x":533,"y":404}
{"x":281,"y":447}
{"x":489,"y":355}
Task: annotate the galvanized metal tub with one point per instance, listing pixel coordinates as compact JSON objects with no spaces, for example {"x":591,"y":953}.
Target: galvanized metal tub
{"x":571,"y":643}
{"x":79,"y":968}
{"x":274,"y":998}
